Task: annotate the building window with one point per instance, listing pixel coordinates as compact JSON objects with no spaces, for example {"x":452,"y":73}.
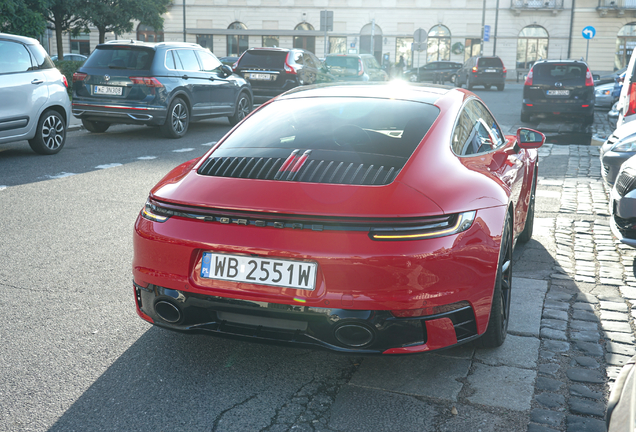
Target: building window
{"x":367,"y":46}
{"x":403,"y":49}
{"x":305,"y":42}
{"x":270,"y":41}
{"x":237,"y":44}
{"x":438,"y":44}
{"x":81,"y":44}
{"x":337,"y":45}
{"x":206,"y":41}
{"x":532,"y":45}
{"x":625,"y":43}
{"x":148,"y":34}
{"x":472,"y":48}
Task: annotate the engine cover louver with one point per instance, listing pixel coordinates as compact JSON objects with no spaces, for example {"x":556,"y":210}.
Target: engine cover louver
{"x":301,"y":168}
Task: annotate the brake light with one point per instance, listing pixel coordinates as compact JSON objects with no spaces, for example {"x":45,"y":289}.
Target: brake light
{"x":589,"y":81}
{"x":78,"y":76}
{"x":474,"y":69}
{"x":65,"y":81}
{"x":528,"y":81}
{"x":505,"y":71}
{"x":631,"y":109}
{"x":147,"y":81}
{"x":360,"y":68}
{"x":289,"y":68}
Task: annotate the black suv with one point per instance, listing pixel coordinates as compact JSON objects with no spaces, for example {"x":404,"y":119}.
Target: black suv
{"x":273,"y":71}
{"x":559,"y":87}
{"x":437,"y":72}
{"x":482,"y":71}
{"x":165,"y":84}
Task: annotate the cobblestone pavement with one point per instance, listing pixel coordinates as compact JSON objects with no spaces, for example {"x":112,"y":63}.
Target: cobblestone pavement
{"x":587,"y":319}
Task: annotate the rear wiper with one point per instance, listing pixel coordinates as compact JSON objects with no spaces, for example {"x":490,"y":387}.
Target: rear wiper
{"x":117,"y":67}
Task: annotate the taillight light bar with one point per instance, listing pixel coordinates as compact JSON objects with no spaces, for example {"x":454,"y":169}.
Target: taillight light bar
{"x":360,"y":68}
{"x":79,"y":76}
{"x":65,"y":81}
{"x":631,"y":108}
{"x":474,"y":69}
{"x":147,"y":81}
{"x":289,"y":68}
{"x":589,"y":80}
{"x":528,"y":81}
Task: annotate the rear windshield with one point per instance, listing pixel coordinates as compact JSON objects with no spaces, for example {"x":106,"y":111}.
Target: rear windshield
{"x":118,"y":57}
{"x":339,"y":124}
{"x":263,"y":59}
{"x":559,"y":71}
{"x":490,"y":62}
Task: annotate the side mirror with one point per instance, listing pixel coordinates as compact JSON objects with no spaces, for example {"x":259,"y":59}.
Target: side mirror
{"x":596,"y":77}
{"x":529,"y":138}
{"x":227,"y":70}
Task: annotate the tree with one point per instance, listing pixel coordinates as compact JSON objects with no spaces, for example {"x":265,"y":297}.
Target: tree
{"x":23,"y":17}
{"x":63,"y":15}
{"x":117,"y":15}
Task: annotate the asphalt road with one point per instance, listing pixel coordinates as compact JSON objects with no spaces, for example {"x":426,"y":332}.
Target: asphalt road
{"x":75,"y":356}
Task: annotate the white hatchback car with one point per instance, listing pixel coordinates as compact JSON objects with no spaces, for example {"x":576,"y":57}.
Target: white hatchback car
{"x":35,"y":104}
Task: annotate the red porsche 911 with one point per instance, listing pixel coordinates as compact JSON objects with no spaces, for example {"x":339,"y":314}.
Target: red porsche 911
{"x":359,"y":218}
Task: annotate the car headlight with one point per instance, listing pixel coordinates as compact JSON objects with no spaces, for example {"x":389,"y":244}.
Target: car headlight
{"x":625,"y":145}
{"x":603,"y":92}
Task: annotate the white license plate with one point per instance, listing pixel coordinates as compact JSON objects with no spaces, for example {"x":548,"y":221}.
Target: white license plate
{"x":263,"y":271}
{"x":108,"y":90}
{"x":262,"y":77}
{"x":490,"y":70}
{"x":558,"y":92}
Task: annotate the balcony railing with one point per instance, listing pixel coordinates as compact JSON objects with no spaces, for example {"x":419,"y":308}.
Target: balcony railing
{"x":538,"y":4}
{"x":617,"y":4}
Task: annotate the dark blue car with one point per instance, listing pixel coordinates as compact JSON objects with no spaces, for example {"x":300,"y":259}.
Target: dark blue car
{"x":167,"y":84}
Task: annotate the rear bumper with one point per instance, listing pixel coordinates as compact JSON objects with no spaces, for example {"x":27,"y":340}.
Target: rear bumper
{"x":584,"y":108}
{"x":481,"y":79}
{"x":340,"y":330}
{"x":127,"y":114}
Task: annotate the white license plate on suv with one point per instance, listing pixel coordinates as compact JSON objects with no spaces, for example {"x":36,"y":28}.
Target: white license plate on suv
{"x":260,"y":77}
{"x":263,"y":271}
{"x":108,"y":90}
{"x":490,"y":70}
{"x":558,"y":92}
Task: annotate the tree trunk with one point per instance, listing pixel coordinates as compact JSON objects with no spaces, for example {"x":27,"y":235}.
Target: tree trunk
{"x":102,"y":34}
{"x":58,"y":38}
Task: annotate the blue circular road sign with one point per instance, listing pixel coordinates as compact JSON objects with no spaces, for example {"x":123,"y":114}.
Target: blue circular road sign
{"x":589,"y":32}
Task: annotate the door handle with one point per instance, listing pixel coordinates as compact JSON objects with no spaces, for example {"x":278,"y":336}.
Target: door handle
{"x":185,"y":77}
{"x":37,"y":81}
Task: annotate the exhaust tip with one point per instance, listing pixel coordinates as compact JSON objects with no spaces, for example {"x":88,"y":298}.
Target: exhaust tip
{"x":354,"y":335}
{"x":167,"y":311}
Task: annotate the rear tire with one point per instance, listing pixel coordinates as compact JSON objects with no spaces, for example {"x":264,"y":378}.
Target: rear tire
{"x":525,"y":117}
{"x":526,"y":234}
{"x":500,"y":87}
{"x":469,"y":85}
{"x":95,"y":126}
{"x":178,"y":119}
{"x":50,"y":135}
{"x":243,"y":108}
{"x":500,"y":311}
{"x":487,"y":87}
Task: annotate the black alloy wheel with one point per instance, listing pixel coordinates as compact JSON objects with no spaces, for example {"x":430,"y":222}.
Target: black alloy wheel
{"x":469,"y":85}
{"x":243,"y":108}
{"x":178,"y":119}
{"x":50,"y":135}
{"x":526,"y":234}
{"x":500,"y":311}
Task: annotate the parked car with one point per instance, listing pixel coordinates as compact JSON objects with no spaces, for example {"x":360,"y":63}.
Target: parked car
{"x":621,"y":406}
{"x":437,"y":72}
{"x":355,"y":67}
{"x":612,"y":115}
{"x":622,"y":203}
{"x":71,"y":57}
{"x":604,"y":95}
{"x":609,"y":78}
{"x":35,"y":103}
{"x":563,"y":88}
{"x":482,"y":71}
{"x":342,"y":217}
{"x":166,"y":84}
{"x":273,"y":71}
{"x":229,"y":60}
{"x":619,"y":147}
{"x":627,"y":98}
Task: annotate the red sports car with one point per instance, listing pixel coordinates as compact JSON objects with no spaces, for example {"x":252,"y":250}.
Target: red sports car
{"x":358,"y":218}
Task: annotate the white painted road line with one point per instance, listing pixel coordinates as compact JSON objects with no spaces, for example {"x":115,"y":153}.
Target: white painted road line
{"x":183,"y":150}
{"x":147,"y":157}
{"x":209,"y":144}
{"x":60,"y":175}
{"x":113,"y":165}
{"x":2,"y":187}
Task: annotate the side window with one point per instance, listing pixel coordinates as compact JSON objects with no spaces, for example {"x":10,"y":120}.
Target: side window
{"x":14,"y":57}
{"x":42,"y":59}
{"x":188,"y":60}
{"x":308,"y":61}
{"x":170,"y":60}
{"x":491,"y":124}
{"x":298,"y":57}
{"x":461,"y":133}
{"x":208,"y":61}
{"x":476,"y":131}
{"x":372,"y":63}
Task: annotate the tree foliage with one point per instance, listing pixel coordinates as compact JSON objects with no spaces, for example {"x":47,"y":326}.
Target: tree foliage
{"x":23,"y":17}
{"x":117,"y":15}
{"x":63,"y":15}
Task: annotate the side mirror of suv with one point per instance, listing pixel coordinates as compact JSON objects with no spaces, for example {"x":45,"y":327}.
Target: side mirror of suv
{"x":227,"y":70}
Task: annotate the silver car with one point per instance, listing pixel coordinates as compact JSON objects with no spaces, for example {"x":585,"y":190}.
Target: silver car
{"x":622,"y":204}
{"x":35,"y":104}
{"x":619,"y":147}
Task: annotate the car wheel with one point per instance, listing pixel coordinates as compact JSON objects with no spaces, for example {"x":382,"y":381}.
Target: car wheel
{"x":469,"y":85}
{"x":178,"y":119}
{"x":500,"y":311}
{"x":588,"y":120}
{"x":453,"y":79}
{"x":525,"y":117}
{"x":50,"y":135}
{"x":526,"y":234}
{"x":95,"y":126}
{"x":500,"y":87}
{"x":243,"y":108}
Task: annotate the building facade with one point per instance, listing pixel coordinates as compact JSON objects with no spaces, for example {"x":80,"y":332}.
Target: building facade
{"x":518,"y":31}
